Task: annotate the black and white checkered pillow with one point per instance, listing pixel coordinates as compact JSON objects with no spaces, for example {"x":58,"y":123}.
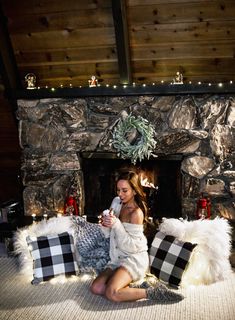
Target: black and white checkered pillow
{"x":169,"y":258}
{"x":53,"y":255}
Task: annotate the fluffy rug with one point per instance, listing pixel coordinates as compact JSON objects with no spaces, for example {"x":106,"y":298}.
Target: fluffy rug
{"x":209,"y":261}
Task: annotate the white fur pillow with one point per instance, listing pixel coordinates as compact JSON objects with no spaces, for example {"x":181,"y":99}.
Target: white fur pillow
{"x":209,"y":261}
{"x":52,"y":226}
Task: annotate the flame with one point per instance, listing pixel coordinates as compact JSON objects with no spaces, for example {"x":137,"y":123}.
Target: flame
{"x":146,"y":183}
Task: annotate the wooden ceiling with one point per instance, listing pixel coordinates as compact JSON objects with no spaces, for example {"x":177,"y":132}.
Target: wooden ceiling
{"x":65,"y":42}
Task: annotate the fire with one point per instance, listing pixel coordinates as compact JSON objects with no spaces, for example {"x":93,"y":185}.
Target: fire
{"x":146,"y":183}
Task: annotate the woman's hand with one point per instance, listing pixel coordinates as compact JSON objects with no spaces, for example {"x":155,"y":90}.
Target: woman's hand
{"x":108,"y":220}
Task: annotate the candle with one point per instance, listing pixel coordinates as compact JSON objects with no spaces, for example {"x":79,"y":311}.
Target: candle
{"x":34,"y":217}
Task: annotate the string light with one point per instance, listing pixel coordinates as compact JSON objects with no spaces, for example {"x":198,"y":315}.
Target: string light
{"x":219,"y":84}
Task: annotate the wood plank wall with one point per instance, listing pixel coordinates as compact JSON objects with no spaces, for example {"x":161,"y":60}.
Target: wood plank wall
{"x":194,"y":37}
{"x":10,"y":184}
{"x":65,"y":42}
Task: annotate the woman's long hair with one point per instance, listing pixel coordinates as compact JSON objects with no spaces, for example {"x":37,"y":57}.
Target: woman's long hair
{"x":140,"y":196}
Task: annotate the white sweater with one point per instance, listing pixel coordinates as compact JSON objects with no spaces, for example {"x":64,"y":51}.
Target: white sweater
{"x":128,"y":245}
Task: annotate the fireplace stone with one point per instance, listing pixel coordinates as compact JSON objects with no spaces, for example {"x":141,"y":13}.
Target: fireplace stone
{"x":55,"y":134}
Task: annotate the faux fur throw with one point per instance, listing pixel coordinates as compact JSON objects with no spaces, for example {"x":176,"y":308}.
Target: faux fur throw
{"x":210,"y":259}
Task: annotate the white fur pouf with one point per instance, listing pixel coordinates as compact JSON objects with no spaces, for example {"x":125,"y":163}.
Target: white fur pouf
{"x":52,"y":226}
{"x":209,"y":261}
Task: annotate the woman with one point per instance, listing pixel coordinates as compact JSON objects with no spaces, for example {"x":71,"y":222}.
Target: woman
{"x":129,"y":259}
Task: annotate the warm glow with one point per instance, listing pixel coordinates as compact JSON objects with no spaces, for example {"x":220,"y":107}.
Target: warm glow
{"x":219,"y":84}
{"x":146,"y":183}
{"x":85,"y":277}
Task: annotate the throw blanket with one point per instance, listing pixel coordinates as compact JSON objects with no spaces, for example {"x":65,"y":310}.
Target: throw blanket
{"x":92,"y":246}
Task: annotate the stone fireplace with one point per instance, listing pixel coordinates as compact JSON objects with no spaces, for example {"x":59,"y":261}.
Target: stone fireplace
{"x":66,"y":142}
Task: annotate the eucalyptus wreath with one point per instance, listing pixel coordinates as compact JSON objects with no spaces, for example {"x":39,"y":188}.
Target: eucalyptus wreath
{"x":142,"y":147}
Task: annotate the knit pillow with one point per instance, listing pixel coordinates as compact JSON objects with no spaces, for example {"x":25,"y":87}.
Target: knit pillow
{"x":92,"y":246}
{"x":169,"y":258}
{"x":53,"y":255}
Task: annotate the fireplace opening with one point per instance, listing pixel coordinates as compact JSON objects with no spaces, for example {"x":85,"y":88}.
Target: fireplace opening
{"x":100,"y":186}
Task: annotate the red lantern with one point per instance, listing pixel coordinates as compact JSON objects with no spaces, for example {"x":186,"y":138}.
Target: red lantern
{"x":203,"y":208}
{"x":71,"y":207}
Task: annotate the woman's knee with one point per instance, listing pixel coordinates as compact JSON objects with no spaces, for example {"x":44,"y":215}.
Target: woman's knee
{"x":97,"y":288}
{"x":111,"y":294}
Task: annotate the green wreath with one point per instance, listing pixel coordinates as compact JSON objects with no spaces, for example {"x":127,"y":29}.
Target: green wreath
{"x":142,"y":140}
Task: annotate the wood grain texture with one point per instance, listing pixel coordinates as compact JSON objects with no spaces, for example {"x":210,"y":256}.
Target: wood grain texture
{"x":68,"y":41}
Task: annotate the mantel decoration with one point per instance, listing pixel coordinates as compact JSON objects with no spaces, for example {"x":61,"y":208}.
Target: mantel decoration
{"x":93,"y":82}
{"x":133,"y":137}
{"x":178,"y":78}
{"x":30,"y":78}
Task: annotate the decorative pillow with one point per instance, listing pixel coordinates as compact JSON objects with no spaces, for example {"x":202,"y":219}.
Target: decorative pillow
{"x":169,"y":258}
{"x":42,"y":228}
{"x":53,"y":255}
{"x":209,"y":261}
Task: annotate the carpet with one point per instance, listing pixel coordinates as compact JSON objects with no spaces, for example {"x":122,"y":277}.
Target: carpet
{"x":73,"y":300}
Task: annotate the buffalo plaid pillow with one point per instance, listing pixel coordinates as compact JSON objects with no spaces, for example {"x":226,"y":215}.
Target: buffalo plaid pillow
{"x":169,"y":258}
{"x":52,"y":256}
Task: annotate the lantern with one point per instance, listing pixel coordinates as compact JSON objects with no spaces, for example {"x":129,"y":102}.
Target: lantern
{"x":203,"y":208}
{"x":71,"y":206}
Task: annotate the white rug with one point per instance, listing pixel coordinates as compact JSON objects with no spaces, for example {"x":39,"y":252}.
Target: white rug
{"x":72,"y":300}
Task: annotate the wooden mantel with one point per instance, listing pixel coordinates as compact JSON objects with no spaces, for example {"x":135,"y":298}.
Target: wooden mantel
{"x":159,"y":89}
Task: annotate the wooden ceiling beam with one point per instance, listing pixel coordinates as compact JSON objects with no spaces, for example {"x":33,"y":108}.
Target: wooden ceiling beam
{"x":8,"y":68}
{"x":122,"y":40}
